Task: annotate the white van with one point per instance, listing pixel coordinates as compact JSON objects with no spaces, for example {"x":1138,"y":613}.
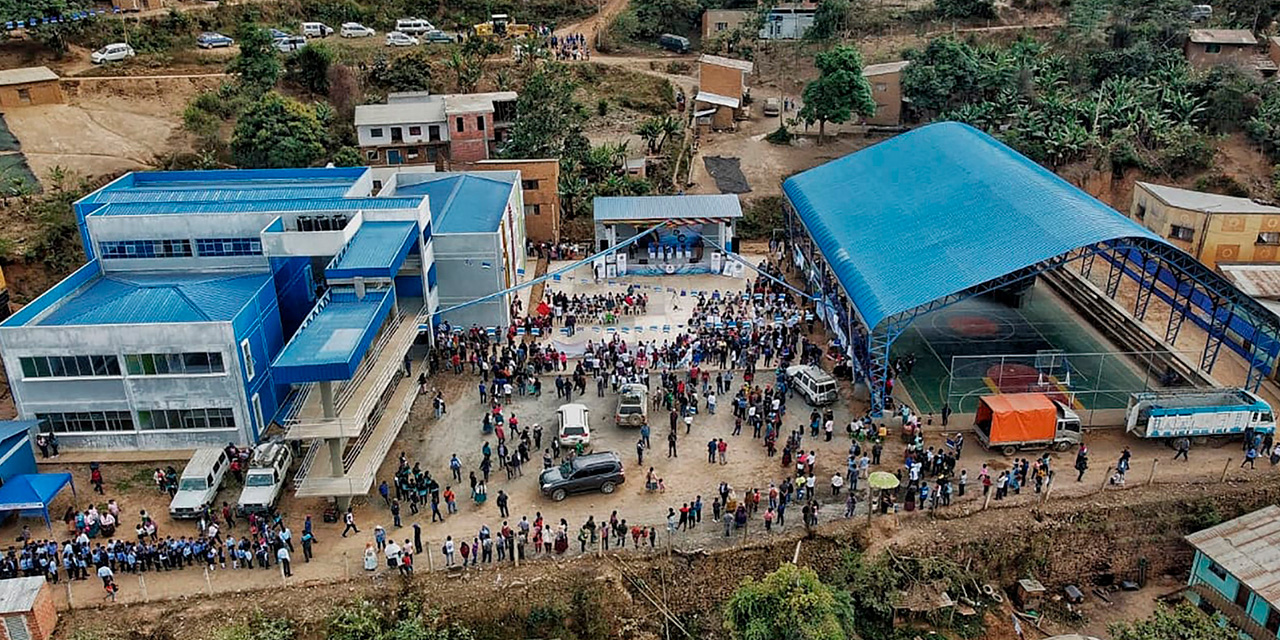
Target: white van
{"x":414,"y":26}
{"x":316,"y":30}
{"x":199,"y":483}
{"x":817,"y":386}
{"x":355,"y":30}
{"x":114,"y":52}
{"x":573,"y":425}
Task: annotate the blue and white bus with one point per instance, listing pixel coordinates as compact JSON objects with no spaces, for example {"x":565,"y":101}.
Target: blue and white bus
{"x":1201,"y":412}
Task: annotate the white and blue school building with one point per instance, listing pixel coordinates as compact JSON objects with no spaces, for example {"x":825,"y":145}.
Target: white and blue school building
{"x":213,"y":302}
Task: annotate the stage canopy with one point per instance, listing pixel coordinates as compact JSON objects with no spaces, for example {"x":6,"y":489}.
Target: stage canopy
{"x":30,"y":493}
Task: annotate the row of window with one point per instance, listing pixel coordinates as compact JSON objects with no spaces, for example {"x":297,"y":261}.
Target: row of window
{"x":140,"y":364}
{"x":228,"y":247}
{"x":69,"y":366}
{"x":181,"y":248}
{"x":158,"y":364}
{"x":433,"y":132}
{"x":156,"y":420}
{"x":146,"y":249}
{"x":161,"y":419}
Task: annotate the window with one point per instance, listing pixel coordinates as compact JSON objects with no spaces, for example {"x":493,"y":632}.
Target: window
{"x":460,"y":126}
{"x":882,"y":87}
{"x":1181,"y":233}
{"x":431,"y":276}
{"x":415,"y":131}
{"x":371,"y":154}
{"x":228,"y":247}
{"x":178,"y":364}
{"x":247,"y":354}
{"x":24,"y":96}
{"x":532,"y":210}
{"x":256,"y":401}
{"x":69,"y":366}
{"x":146,"y":249}
{"x":433,"y":133}
{"x":87,"y":421}
{"x":1142,"y":209}
{"x":722,"y":26}
{"x":1243,"y":594}
{"x":1213,"y":48}
{"x":413,"y":153}
{"x":376,"y":132}
{"x":1273,"y":620}
{"x":480,"y":123}
{"x":164,"y":419}
{"x":1269,"y":237}
{"x":529,"y":185}
{"x":1217,"y":570}
{"x":377,"y":184}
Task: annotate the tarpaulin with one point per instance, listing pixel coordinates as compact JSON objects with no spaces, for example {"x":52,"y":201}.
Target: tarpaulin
{"x":1019,"y":417}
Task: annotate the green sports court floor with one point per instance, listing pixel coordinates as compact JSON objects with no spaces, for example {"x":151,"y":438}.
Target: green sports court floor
{"x":996,"y":348}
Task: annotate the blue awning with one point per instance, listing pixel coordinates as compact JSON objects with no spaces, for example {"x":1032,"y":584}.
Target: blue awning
{"x":31,"y":493}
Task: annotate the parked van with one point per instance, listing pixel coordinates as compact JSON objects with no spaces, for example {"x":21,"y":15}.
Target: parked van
{"x":414,"y":26}
{"x":672,"y":42}
{"x":289,"y":44}
{"x":815,"y":385}
{"x":1200,"y":12}
{"x":199,"y":483}
{"x":573,"y":425}
{"x":114,"y":52}
{"x":316,"y":29}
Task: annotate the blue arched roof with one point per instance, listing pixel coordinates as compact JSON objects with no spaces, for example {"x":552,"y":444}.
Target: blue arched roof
{"x":940,"y":209}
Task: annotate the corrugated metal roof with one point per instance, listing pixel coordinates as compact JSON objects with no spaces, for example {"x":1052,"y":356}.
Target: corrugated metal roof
{"x":423,"y":111}
{"x":717,"y":99}
{"x":1248,"y":548}
{"x":472,"y":102}
{"x":25,"y":75}
{"x":721,"y":61}
{"x":887,"y":67}
{"x":1206,"y":202}
{"x":249,"y":183}
{"x":302,"y":191}
{"x":1222,"y":36}
{"x":338,"y":333}
{"x":471,"y":202}
{"x":18,"y":595}
{"x":938,"y":210}
{"x":147,"y":298}
{"x":658,"y":208}
{"x":1257,"y":280}
{"x":256,"y":206}
{"x":376,"y":245}
{"x":10,"y":428}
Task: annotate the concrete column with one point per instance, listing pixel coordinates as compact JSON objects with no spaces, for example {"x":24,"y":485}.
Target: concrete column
{"x":335,"y":456}
{"x":326,"y":400}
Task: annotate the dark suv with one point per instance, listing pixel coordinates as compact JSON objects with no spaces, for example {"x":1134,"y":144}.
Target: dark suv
{"x":591,"y":472}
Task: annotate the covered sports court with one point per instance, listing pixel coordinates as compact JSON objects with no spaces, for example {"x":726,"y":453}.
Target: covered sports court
{"x":906,"y":246}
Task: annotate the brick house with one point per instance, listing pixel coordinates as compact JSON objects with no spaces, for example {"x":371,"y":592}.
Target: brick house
{"x":27,"y":609}
{"x":1208,"y":48}
{"x":443,"y":129}
{"x":722,"y":89}
{"x":540,"y":181}
{"x":886,"y":89}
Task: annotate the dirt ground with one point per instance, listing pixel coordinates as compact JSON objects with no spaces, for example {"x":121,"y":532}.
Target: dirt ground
{"x":107,"y":126}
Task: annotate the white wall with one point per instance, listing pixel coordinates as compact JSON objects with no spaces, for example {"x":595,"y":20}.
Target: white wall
{"x":366,"y":139}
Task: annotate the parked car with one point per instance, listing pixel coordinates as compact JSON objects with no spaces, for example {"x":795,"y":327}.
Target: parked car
{"x":355,"y":30}
{"x":289,"y":44}
{"x":772,"y":107}
{"x":277,"y":34}
{"x":815,"y":385}
{"x":114,"y":52}
{"x":633,"y":406}
{"x":601,"y":472}
{"x":199,"y":483}
{"x":316,"y":30}
{"x":266,"y":477}
{"x":573,"y":425}
{"x":1200,"y":12}
{"x":213,"y":40}
{"x":414,"y":26}
{"x":671,"y":42}
{"x":397,"y":39}
{"x":437,"y":36}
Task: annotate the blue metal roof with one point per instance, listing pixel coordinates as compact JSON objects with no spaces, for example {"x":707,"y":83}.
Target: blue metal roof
{"x":239,"y":183}
{"x":940,"y":209}
{"x":376,"y":250}
{"x":256,"y":206}
{"x":146,"y":298}
{"x":334,"y":338}
{"x":656,"y":208}
{"x":463,"y":202}
{"x":326,"y":189}
{"x":10,"y":428}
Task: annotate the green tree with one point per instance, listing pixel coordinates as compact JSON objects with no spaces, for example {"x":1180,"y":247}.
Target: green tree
{"x":840,"y":91}
{"x":256,"y":67}
{"x":24,"y":9}
{"x":409,"y":72}
{"x":654,"y":17}
{"x":789,"y":603}
{"x":958,"y":9}
{"x":1181,"y":622}
{"x":939,"y":77}
{"x":277,"y":132}
{"x":348,"y":157}
{"x":308,"y":67}
{"x":830,"y":20}
{"x":548,"y":118}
